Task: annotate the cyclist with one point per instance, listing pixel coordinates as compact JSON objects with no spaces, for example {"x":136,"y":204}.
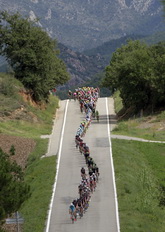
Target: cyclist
{"x":86,"y":153}
{"x":80,"y":189}
{"x":71,"y":208}
{"x":81,"y":146}
{"x":83,"y":174}
{"x":80,"y":207}
{"x":96,"y":171}
{"x":81,"y":106}
{"x":72,"y":211}
{"x":94,"y":180}
{"x":90,"y":171}
{"x":70,"y":94}
{"x":75,"y":95}
{"x":78,"y":140}
{"x":91,"y":183}
{"x":90,"y":162}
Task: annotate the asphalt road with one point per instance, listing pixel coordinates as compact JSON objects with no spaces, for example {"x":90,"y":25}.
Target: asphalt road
{"x":102,"y":215}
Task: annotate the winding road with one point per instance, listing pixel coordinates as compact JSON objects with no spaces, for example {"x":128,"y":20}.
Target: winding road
{"x":102,"y":214}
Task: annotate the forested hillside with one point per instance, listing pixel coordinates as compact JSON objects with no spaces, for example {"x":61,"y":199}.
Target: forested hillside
{"x":107,"y":48}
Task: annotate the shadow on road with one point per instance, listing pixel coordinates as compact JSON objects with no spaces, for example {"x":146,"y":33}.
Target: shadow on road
{"x":66,"y":200}
{"x":103,"y":119}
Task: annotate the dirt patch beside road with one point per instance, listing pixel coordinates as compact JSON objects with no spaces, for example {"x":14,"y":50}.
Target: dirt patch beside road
{"x":23,"y":147}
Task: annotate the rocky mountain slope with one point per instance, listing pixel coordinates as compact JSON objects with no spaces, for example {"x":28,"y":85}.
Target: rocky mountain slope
{"x":81,"y":67}
{"x":89,"y":23}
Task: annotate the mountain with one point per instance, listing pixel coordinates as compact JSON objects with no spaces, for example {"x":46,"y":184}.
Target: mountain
{"x":155,"y":38}
{"x":106,"y":49}
{"x":81,"y":67}
{"x":86,"y":24}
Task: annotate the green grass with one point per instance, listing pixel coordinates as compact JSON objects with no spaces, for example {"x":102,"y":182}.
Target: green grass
{"x":136,"y":126}
{"x":139,"y":170}
{"x":117,"y":101}
{"x":39,"y":173}
{"x":47,"y":114}
{"x":161,"y":116}
{"x":131,"y":128}
{"x":23,"y":126}
{"x":140,"y":175}
{"x":39,"y":151}
{"x":9,"y":97}
{"x":40,"y":176}
{"x":32,"y":129}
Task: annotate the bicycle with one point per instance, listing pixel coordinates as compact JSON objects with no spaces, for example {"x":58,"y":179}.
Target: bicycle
{"x":72,"y":217}
{"x":81,"y":212}
{"x":97,"y":176}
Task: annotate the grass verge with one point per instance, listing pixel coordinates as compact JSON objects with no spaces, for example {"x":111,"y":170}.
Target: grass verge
{"x":134,"y":128}
{"x":149,"y":127}
{"x":117,"y":101}
{"x":139,"y":170}
{"x":39,"y":173}
{"x":40,"y":176}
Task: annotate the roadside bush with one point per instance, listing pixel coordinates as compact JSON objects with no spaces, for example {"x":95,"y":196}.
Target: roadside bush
{"x":6,"y":87}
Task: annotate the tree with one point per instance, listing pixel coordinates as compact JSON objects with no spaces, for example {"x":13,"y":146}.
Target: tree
{"x":138,"y":72}
{"x":32,"y":55}
{"x":13,"y":190}
{"x":158,"y":64}
{"x":129,"y":71}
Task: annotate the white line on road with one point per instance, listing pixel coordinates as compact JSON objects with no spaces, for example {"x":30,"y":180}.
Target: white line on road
{"x":57,"y":168}
{"x":113,"y":173}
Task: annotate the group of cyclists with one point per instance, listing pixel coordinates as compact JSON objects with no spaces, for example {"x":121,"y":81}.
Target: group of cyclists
{"x":86,"y":97}
{"x":90,"y":174}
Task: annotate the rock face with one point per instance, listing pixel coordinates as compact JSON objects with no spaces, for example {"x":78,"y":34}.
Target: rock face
{"x":81,"y":67}
{"x":84,"y":24}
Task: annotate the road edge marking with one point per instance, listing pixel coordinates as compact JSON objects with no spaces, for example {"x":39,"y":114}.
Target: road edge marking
{"x":57,"y":169}
{"x":112,"y":166}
